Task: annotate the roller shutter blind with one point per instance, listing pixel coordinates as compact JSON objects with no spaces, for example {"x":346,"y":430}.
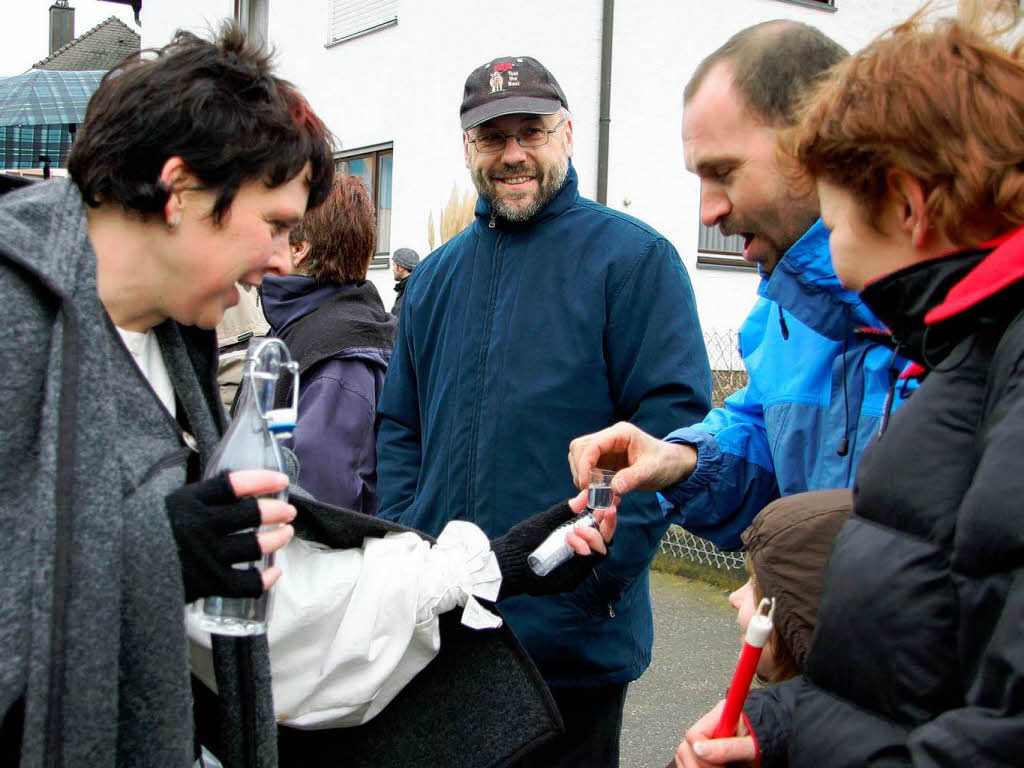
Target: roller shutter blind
{"x":350,"y":18}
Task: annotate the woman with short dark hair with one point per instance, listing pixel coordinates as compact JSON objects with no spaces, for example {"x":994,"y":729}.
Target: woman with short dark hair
{"x":192,"y":165}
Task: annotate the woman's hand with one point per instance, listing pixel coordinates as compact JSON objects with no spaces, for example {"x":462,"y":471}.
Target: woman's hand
{"x":590,"y":544}
{"x":699,"y":750}
{"x":589,"y":540}
{"x":212,"y":523}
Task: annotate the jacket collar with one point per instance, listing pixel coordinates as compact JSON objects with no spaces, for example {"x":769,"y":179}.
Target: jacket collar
{"x":804,"y":284}
{"x":1003,"y":267}
{"x":289,"y":298}
{"x":343,"y":321}
{"x":933,"y":305}
{"x":564,"y":199}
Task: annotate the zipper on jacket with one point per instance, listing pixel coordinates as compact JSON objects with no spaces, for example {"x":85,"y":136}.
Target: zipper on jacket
{"x":782,"y":324}
{"x":844,"y":443}
{"x":53,"y":734}
{"x":608,"y":603}
{"x":490,"y":224}
{"x":482,"y":358}
{"x":894,"y":376}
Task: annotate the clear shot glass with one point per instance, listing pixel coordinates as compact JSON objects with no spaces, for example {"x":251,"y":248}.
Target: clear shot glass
{"x":554,"y":550}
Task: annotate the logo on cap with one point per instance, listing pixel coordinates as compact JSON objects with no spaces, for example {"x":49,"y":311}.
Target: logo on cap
{"x":497,"y":82}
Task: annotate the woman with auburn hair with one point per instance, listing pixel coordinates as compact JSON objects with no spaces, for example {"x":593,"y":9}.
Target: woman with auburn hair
{"x":917,"y":147}
{"x":336,"y":327}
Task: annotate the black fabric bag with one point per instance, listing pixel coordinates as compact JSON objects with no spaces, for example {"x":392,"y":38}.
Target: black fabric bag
{"x":481,"y":703}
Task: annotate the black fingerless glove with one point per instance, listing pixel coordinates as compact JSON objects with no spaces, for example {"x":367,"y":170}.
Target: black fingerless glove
{"x":205,"y":518}
{"x":514,"y":547}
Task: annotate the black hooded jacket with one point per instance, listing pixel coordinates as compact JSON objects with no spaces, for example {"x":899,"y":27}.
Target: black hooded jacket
{"x":918,"y":657}
{"x":396,"y":309}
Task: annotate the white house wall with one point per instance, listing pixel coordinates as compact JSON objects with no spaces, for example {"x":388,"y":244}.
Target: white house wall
{"x":403,"y":84}
{"x":161,"y":18}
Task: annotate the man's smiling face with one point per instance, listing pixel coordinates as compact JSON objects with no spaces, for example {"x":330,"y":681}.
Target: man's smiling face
{"x":519,"y":181}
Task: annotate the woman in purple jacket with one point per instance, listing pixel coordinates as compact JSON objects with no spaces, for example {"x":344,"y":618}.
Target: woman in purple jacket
{"x":333,"y":321}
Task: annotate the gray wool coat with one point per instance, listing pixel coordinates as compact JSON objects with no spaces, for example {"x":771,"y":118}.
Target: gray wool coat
{"x":91,"y":597}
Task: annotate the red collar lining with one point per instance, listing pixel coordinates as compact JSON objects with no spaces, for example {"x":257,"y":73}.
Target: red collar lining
{"x":1002,"y":267}
{"x":913,"y":371}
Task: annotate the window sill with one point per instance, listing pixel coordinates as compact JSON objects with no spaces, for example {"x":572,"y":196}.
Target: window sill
{"x":726,"y":262}
{"x":830,"y":8}
{"x":361,"y":33}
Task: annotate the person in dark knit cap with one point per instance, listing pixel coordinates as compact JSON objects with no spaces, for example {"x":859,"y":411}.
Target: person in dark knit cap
{"x":403,"y":262}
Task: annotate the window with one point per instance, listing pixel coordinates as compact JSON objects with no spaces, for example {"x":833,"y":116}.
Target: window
{"x":823,"y":5}
{"x":352,"y":18}
{"x":716,"y":250}
{"x":22,"y":145}
{"x":374,"y":165}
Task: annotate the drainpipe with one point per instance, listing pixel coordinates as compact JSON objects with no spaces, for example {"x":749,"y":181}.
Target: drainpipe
{"x":607,"y":28}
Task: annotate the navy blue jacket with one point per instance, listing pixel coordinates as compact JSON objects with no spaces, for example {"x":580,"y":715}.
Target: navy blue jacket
{"x":812,"y":383}
{"x":513,"y":340}
{"x":342,"y":338}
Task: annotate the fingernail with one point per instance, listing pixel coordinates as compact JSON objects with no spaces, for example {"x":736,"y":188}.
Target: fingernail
{"x":620,"y":485}
{"x":701,"y":749}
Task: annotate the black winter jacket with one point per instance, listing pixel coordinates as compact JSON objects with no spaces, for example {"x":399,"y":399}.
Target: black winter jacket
{"x":918,"y":657}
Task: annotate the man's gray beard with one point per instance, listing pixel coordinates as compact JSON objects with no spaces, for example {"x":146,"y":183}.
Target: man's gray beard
{"x":550,"y":184}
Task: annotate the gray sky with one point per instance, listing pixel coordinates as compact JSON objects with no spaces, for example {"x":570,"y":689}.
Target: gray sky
{"x":26,"y":28}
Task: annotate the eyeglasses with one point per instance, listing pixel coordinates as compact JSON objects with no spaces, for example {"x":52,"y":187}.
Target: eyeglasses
{"x":495,"y":141}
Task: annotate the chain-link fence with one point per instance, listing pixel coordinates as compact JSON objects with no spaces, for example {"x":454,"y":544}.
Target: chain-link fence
{"x":728,"y":375}
{"x":727,"y":371}
{"x":680,"y":543}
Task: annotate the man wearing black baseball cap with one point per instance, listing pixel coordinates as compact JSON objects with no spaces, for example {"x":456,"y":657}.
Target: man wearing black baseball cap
{"x":516,"y":96}
{"x":550,"y":316}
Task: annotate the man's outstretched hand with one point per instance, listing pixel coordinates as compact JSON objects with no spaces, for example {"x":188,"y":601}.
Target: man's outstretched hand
{"x":642,"y":462}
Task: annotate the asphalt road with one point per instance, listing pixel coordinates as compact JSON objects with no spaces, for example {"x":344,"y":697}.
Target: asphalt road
{"x":696,"y":643}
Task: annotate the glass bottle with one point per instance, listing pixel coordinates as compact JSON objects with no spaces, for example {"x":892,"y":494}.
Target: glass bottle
{"x":251,"y":442}
{"x":554,"y":550}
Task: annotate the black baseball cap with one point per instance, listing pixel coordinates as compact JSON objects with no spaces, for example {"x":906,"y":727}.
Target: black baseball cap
{"x":509,"y":86}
